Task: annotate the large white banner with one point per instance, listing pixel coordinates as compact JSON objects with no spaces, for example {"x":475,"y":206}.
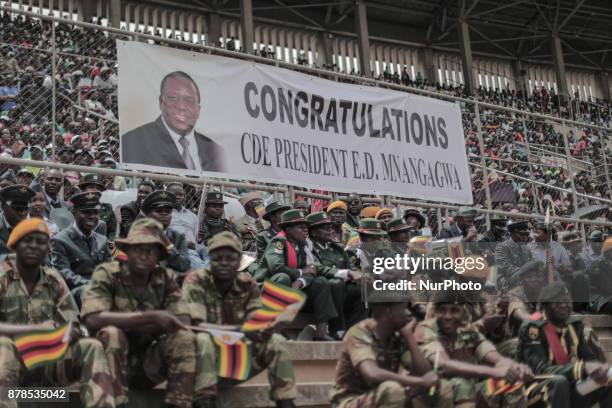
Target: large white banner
{"x":198,"y":114}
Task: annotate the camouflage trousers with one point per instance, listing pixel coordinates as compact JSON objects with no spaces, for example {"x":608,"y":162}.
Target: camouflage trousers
{"x":393,"y":395}
{"x":172,"y":357}
{"x":271,"y":355}
{"x":559,"y":392}
{"x":84,"y":363}
{"x":467,"y":392}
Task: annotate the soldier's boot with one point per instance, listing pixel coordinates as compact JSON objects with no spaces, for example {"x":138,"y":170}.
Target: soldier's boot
{"x":206,"y":402}
{"x":179,"y":353}
{"x":97,"y":384}
{"x":115,"y":344}
{"x":274,"y":355}
{"x":10,"y":368}
{"x":285,"y":404}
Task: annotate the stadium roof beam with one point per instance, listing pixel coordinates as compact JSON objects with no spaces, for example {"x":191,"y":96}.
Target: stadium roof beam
{"x":559,"y":66}
{"x":115,"y":13}
{"x":247,"y":26}
{"x":297,"y":13}
{"x":466,"y":55}
{"x":361,"y":21}
{"x":570,"y":15}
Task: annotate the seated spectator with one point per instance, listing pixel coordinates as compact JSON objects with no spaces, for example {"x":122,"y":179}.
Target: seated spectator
{"x":15,"y":202}
{"x":77,"y":250}
{"x":30,"y":283}
{"x":221,"y":295}
{"x":130,"y":211}
{"x":108,"y":222}
{"x":213,"y":221}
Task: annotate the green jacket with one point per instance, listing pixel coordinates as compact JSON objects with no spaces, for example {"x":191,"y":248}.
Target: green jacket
{"x":534,"y":349}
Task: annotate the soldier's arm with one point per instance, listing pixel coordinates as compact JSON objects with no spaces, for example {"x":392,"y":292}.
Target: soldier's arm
{"x":193,"y":294}
{"x":363,"y":356}
{"x":66,"y":309}
{"x":61,"y":262}
{"x":262,"y":243}
{"x":173,"y":301}
{"x":532,"y":352}
{"x":178,"y":256}
{"x":275,"y":259}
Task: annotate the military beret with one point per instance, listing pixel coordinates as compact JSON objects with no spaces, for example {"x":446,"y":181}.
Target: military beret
{"x":17,"y":196}
{"x":158,"y":199}
{"x":370,"y":211}
{"x":214,"y":197}
{"x":382,"y":212}
{"x":92,"y":179}
{"x":553,"y":292}
{"x":466,"y":212}
{"x":224,"y":239}
{"x":318,"y":219}
{"x":530,"y":266}
{"x":25,"y":227}
{"x":86,"y":201}
{"x":336,"y":205}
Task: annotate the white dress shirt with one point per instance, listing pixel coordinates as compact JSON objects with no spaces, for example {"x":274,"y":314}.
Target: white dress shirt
{"x":193,"y":146}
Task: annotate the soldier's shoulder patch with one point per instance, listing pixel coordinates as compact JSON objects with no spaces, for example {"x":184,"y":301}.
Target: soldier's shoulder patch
{"x":279,"y":246}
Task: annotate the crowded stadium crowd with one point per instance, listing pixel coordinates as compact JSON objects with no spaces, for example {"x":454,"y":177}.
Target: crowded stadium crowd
{"x":134,"y":279}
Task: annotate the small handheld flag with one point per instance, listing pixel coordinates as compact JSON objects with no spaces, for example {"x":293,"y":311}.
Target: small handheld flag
{"x":43,"y":346}
{"x":499,"y":387}
{"x":279,"y":297}
{"x":261,"y":319}
{"x":233,"y":355}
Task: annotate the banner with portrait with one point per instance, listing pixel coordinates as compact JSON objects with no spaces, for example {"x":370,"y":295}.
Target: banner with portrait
{"x":196,"y":114}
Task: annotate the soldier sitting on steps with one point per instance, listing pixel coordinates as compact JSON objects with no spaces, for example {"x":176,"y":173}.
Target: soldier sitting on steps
{"x":222,"y":295}
{"x":373,"y":352}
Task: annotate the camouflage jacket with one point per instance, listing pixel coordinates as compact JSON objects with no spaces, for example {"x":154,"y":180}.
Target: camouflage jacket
{"x":50,"y":299}
{"x":360,"y":344}
{"x":207,"y":304}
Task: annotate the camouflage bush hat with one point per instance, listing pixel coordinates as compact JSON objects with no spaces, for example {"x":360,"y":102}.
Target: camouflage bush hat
{"x":224,"y":239}
{"x":144,"y":231}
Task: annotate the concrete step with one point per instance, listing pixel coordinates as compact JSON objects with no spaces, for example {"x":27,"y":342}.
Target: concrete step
{"x":310,"y":395}
{"x":313,"y":361}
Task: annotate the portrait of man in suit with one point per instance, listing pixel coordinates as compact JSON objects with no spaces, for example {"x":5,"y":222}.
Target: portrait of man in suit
{"x":171,"y":140}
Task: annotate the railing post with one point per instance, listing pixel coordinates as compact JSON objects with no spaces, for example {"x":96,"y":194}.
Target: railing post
{"x":483,"y":162}
{"x":534,"y":193}
{"x":53,"y":86}
{"x":568,"y":157}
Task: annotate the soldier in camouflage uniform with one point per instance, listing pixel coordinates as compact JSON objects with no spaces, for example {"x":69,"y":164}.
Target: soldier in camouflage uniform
{"x":135,"y":309}
{"x":221,"y":295}
{"x":335,"y":265}
{"x":465,"y":355}
{"x":95,"y":182}
{"x":272,"y":214}
{"x":373,"y":352}
{"x":523,"y":299}
{"x":249,"y":225}
{"x":557,"y":345}
{"x":337,"y":211}
{"x":45,"y":304}
{"x":213,"y":221}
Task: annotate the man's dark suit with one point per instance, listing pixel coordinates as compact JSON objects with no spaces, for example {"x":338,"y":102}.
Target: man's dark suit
{"x":152,"y":144}
{"x":73,"y":258}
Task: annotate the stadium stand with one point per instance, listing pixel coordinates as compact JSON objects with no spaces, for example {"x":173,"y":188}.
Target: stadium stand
{"x":531,"y":151}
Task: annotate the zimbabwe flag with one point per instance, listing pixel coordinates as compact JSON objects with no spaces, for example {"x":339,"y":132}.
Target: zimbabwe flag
{"x":261,"y":319}
{"x":499,"y":387}
{"x":279,"y":297}
{"x":233,"y":360}
{"x":43,"y":346}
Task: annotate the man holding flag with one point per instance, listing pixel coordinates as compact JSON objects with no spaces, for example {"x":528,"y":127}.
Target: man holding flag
{"x":35,"y":307}
{"x":221,"y":295}
{"x":136,"y":310}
